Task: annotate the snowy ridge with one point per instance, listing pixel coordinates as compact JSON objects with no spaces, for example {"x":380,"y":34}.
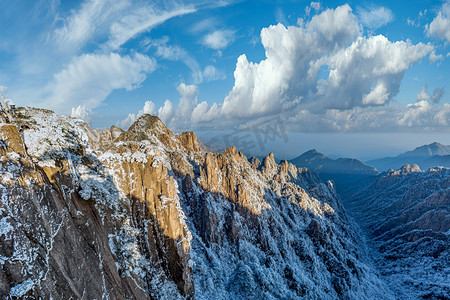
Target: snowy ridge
{"x":150,"y":214}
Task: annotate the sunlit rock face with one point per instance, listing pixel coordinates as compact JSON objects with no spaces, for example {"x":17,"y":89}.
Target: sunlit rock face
{"x":406,"y":214}
{"x":146,"y":213}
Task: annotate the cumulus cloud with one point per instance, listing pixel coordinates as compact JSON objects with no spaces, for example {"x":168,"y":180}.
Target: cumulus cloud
{"x":90,"y":78}
{"x":313,"y":6}
{"x":440,"y":26}
{"x":149,"y":108}
{"x":322,"y":75}
{"x":424,"y":114}
{"x":435,"y":57}
{"x":375,"y":17}
{"x":368,"y":72}
{"x":218,"y":39}
{"x":436,"y":97}
{"x":166,"y":111}
{"x":323,"y":64}
{"x":186,"y":114}
{"x":83,"y":113}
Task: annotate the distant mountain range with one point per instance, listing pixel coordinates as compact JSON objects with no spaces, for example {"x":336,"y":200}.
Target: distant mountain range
{"x":427,"y":156}
{"x":347,"y":173}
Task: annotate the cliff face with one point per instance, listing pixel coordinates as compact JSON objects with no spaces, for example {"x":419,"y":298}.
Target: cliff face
{"x":406,"y":214}
{"x":145,"y":213}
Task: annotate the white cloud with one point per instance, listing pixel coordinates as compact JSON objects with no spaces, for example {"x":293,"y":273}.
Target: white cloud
{"x":434,"y":58}
{"x":423,"y":114}
{"x":149,"y":108}
{"x":187,"y":103}
{"x":211,"y":73}
{"x":141,"y":20}
{"x":323,"y":64}
{"x":185,"y":115}
{"x":423,"y":95}
{"x":175,"y":53}
{"x":375,"y":17}
{"x":203,"y":112}
{"x":368,"y":72}
{"x":436,"y":97}
{"x":218,"y":39}
{"x":119,"y":20}
{"x":165,"y":113}
{"x":90,"y":78}
{"x":204,"y":25}
{"x":89,"y":20}
{"x":313,"y":6}
{"x":126,"y":123}
{"x":411,"y":22}
{"x":440,"y":26}
{"x":83,"y":113}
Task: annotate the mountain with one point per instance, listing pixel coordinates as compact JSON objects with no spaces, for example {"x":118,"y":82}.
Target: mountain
{"x":347,"y":173}
{"x":147,"y":214}
{"x":427,"y":156}
{"x":406,"y":216}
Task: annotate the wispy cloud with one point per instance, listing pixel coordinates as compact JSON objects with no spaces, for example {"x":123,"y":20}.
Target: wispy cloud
{"x":374,"y":17}
{"x":218,"y":39}
{"x":204,"y":25}
{"x":116,"y":20}
{"x":142,"y":20}
{"x":94,"y":17}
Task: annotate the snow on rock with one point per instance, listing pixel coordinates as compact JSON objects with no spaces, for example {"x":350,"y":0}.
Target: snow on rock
{"x":406,"y":214}
{"x":150,"y":214}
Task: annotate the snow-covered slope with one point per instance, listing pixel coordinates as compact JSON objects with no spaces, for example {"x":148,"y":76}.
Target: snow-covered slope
{"x":145,"y":213}
{"x":406,"y":214}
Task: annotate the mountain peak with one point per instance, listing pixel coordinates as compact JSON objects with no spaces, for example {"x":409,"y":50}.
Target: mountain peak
{"x":144,"y":122}
{"x":432,"y":149}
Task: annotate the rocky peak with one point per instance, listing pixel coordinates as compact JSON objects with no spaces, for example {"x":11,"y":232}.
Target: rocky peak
{"x":406,"y":169}
{"x":269,"y":165}
{"x":234,"y":154}
{"x":145,"y":127}
{"x":255,"y":162}
{"x":189,"y":141}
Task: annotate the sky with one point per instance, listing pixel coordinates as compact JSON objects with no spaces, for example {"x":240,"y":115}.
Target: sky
{"x":357,"y":78}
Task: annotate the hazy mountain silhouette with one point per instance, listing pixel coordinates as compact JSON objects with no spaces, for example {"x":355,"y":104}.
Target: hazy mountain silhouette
{"x":348,"y":173}
{"x":426,"y":156}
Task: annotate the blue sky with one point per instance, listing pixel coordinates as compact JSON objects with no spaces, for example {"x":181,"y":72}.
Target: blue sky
{"x":354,"y":73}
